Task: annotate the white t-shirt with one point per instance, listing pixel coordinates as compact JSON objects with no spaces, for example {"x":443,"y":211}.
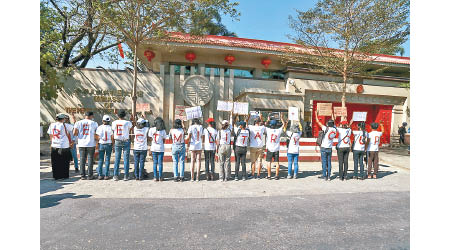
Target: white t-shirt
{"x":158,"y":139}
{"x":359,"y":145}
{"x":294,"y":143}
{"x":256,"y":136}
{"x":327,"y":141}
{"x":121,"y":129}
{"x":375,"y":137}
{"x":86,"y":131}
{"x":243,"y":138}
{"x":140,"y":138}
{"x":273,"y":139}
{"x":196,"y":132}
{"x":344,"y":133}
{"x":177,"y":136}
{"x":69,"y":128}
{"x":225,"y":136}
{"x":210,"y":138}
{"x":105,"y":133}
{"x":59,"y":139}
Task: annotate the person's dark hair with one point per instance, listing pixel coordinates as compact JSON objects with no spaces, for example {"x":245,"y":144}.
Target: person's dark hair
{"x":374,"y":125}
{"x":88,"y":113}
{"x":273,"y":124}
{"x":122,"y":114}
{"x":196,"y":121}
{"x":404,"y":124}
{"x":330,"y":123}
{"x":106,"y":122}
{"x":362,"y":125}
{"x":177,"y":124}
{"x":213,"y":124}
{"x":256,"y":121}
{"x":159,"y":124}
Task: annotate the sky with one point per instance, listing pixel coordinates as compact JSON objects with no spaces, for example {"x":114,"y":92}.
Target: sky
{"x":260,"y":19}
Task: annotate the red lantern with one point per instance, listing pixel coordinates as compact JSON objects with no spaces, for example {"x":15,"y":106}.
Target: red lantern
{"x":190,"y":56}
{"x":149,"y":54}
{"x":359,"y":89}
{"x":266,"y":62}
{"x":229,"y":59}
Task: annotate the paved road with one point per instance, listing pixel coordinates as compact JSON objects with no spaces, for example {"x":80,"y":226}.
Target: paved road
{"x":326,"y":221}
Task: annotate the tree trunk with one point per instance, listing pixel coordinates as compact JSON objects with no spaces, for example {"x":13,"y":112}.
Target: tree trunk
{"x":134,"y":98}
{"x":344,"y":89}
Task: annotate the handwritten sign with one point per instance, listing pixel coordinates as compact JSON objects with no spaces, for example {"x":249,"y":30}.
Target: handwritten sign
{"x":359,"y":116}
{"x":293,"y":113}
{"x":324,"y":109}
{"x":194,"y":112}
{"x":224,"y":106}
{"x":180,"y":112}
{"x":240,"y":108}
{"x":340,"y":111}
{"x":142,"y":107}
{"x":254,"y":114}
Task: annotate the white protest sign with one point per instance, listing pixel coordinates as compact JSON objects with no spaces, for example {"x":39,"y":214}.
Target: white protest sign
{"x":340,"y":111}
{"x":324,"y":109}
{"x":194,"y":112}
{"x":224,"y":106}
{"x":254,"y":114}
{"x":359,"y":116}
{"x":293,"y":113}
{"x":240,"y":108}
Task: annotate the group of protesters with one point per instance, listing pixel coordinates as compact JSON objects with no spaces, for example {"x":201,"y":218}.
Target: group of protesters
{"x":215,"y":143}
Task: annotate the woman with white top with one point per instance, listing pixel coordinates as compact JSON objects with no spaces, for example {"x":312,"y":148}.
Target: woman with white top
{"x":210,"y":136}
{"x":359,"y":147}
{"x":343,"y":148}
{"x":273,"y":139}
{"x":140,"y":148}
{"x":326,"y":146}
{"x":224,"y":151}
{"x":157,"y":136}
{"x":105,"y":145}
{"x":372,"y":149}
{"x":195,"y":133}
{"x":176,"y":134}
{"x":293,"y":149}
{"x":60,"y":148}
{"x":241,"y":140}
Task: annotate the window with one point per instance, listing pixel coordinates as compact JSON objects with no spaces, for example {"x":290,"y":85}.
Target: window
{"x":272,"y":74}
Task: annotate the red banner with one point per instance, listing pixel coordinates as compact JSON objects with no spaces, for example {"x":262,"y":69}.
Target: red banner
{"x":121,"y":50}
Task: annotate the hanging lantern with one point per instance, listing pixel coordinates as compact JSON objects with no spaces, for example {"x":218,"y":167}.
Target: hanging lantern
{"x":359,"y":89}
{"x":266,"y":62}
{"x":190,"y":56}
{"x":149,"y":54}
{"x":229,"y":59}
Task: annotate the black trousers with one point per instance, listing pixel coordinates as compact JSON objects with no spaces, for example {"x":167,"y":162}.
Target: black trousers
{"x":210,"y":156}
{"x":60,"y":159}
{"x":343,"y":154}
{"x":240,"y":154}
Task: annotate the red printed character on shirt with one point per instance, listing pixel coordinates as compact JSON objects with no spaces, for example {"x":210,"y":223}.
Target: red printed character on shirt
{"x":155,"y":136}
{"x":177,"y":139}
{"x":119,"y":129}
{"x":138,"y":137}
{"x":86,"y":129}
{"x":258,"y":135}
{"x":331,"y":133}
{"x":273,"y":138}
{"x":56,"y":133}
{"x":243,"y":139}
{"x":377,"y":140}
{"x":296,"y":139}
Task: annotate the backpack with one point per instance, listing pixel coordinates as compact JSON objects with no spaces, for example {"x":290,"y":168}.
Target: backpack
{"x":321,"y":136}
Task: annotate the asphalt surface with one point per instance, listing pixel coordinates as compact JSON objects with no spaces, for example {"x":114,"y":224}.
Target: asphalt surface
{"x":326,"y":221}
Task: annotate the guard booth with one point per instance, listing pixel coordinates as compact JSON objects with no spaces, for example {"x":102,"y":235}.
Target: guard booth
{"x":375,"y":113}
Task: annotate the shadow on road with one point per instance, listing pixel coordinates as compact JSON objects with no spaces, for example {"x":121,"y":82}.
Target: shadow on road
{"x":55,"y":199}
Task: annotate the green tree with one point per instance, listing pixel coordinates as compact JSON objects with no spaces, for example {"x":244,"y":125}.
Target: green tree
{"x":357,"y":29}
{"x":136,"y":21}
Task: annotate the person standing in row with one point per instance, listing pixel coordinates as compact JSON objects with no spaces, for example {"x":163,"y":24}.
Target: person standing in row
{"x":60,"y":148}
{"x":121,"y":143}
{"x":240,"y":143}
{"x":224,"y":151}
{"x":359,"y":148}
{"x":73,"y":149}
{"x":402,"y":132}
{"x":85,"y":130}
{"x":326,"y":146}
{"x":374,"y":142}
{"x":178,"y":149}
{"x":210,"y":136}
{"x":257,"y":131}
{"x":293,"y":148}
{"x":273,"y":147}
{"x":140,"y":148}
{"x":105,"y":147}
{"x":157,"y":136}
{"x":343,"y":148}
{"x":195,"y":133}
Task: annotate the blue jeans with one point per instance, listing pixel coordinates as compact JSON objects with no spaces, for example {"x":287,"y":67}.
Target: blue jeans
{"x":74,"y":156}
{"x":325,"y":154}
{"x":292,"y":158}
{"x":119,"y":146}
{"x":158,"y":160}
{"x":102,"y":149}
{"x":178,"y":155}
{"x":358,"y":158}
{"x":139,"y":161}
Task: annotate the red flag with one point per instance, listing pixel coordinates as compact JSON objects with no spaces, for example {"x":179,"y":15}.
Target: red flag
{"x":120,"y":50}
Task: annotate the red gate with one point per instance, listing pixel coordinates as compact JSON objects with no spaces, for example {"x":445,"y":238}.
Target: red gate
{"x":375,"y":113}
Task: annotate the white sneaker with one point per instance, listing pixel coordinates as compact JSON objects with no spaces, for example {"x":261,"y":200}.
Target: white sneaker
{"x":125,"y":178}
{"x":116,"y":178}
